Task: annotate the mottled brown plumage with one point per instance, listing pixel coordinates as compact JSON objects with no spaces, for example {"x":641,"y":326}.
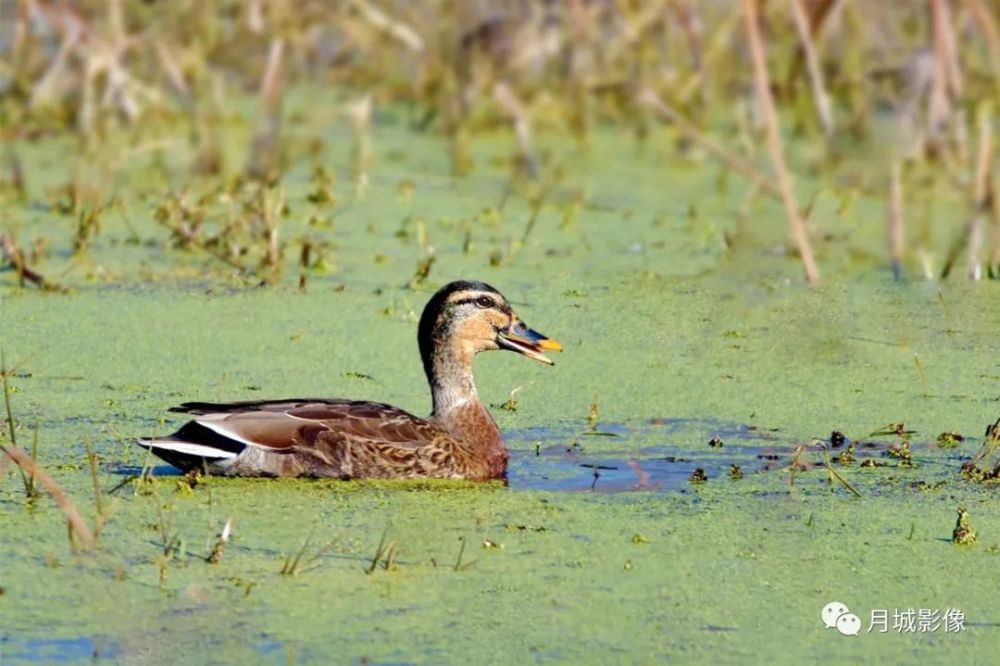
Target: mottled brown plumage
{"x":350,"y":439}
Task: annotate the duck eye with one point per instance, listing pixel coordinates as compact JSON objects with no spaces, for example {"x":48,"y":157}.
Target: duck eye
{"x":484,"y":302}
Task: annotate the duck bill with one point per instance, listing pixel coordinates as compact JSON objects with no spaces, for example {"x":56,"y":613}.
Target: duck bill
{"x":523,"y":340}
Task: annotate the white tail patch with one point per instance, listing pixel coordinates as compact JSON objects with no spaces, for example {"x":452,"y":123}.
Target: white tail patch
{"x":188,"y":448}
{"x":219,"y":427}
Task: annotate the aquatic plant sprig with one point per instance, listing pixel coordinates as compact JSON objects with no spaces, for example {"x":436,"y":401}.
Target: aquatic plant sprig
{"x":292,"y":564}
{"x":385,"y":553}
{"x":963,"y":534}
{"x":796,"y":465}
{"x":27,"y":478}
{"x":100,"y":518}
{"x":985,"y":464}
{"x":215,"y":556}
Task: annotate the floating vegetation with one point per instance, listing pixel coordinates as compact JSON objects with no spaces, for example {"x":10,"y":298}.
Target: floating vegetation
{"x":985,"y":464}
{"x":797,"y":465}
{"x":902,"y":453}
{"x":209,"y":178}
{"x":422,"y":271}
{"x":219,"y":549}
{"x":949,"y":440}
{"x":847,"y":456}
{"x":510,"y":404}
{"x":963,"y":534}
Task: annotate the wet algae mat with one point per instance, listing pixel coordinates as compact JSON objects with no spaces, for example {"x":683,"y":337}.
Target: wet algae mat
{"x":601,"y":548}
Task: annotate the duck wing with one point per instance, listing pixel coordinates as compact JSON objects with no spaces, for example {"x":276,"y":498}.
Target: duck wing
{"x":307,"y":437}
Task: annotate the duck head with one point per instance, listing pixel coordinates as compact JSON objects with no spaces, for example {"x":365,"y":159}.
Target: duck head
{"x":464,"y":318}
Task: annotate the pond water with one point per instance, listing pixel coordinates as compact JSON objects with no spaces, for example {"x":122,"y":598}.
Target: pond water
{"x":683,"y":318}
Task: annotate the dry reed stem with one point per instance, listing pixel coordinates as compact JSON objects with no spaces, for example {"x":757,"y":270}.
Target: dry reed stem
{"x":507,"y":100}
{"x":818,"y":13}
{"x":48,"y":88}
{"x":174,"y":73}
{"x":813,"y":66}
{"x":76,"y":521}
{"x":946,"y":85}
{"x":984,"y":201}
{"x":716,"y":49}
{"x":264,"y":160}
{"x":894,"y":221}
{"x":988,"y":26}
{"x":12,"y":253}
{"x":360,"y":113}
{"x":763,"y":85}
{"x":396,"y":29}
{"x":648,"y":97}
{"x":690,"y":25}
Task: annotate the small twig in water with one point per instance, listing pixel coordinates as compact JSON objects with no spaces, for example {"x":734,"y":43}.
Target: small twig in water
{"x":215,"y":556}
{"x":12,"y":253}
{"x":77,"y":525}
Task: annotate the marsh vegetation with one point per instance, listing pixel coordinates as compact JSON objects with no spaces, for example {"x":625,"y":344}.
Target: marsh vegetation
{"x":761,"y":229}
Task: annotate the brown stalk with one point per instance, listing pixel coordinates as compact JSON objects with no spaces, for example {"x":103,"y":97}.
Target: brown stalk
{"x":972,"y":235}
{"x":648,"y":97}
{"x":813,"y":66}
{"x":174,"y":73}
{"x":692,"y":34}
{"x":817,"y":14}
{"x":76,"y":522}
{"x":360,"y":112}
{"x":509,"y":102}
{"x":264,"y":161}
{"x":398,"y":30}
{"x":984,"y":196}
{"x":716,"y":49}
{"x":255,"y":16}
{"x":988,"y":26}
{"x":894,"y":221}
{"x":946,"y":85}
{"x":12,"y":253}
{"x":16,"y":174}
{"x":763,"y":85}
{"x":48,"y":88}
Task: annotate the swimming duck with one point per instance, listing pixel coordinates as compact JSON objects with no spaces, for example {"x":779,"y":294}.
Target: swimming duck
{"x":353,"y":439}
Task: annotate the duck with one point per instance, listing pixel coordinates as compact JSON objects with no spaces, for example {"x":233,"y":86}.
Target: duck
{"x":358,"y":439}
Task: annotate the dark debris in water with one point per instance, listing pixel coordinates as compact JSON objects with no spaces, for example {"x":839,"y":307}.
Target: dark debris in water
{"x":558,"y":460}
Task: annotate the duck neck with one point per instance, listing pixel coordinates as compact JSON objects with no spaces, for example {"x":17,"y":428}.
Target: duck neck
{"x":457,"y":409}
{"x":452,"y":385}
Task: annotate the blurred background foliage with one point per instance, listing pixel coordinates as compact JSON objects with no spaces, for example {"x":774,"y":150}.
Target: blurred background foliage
{"x":916,"y":80}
